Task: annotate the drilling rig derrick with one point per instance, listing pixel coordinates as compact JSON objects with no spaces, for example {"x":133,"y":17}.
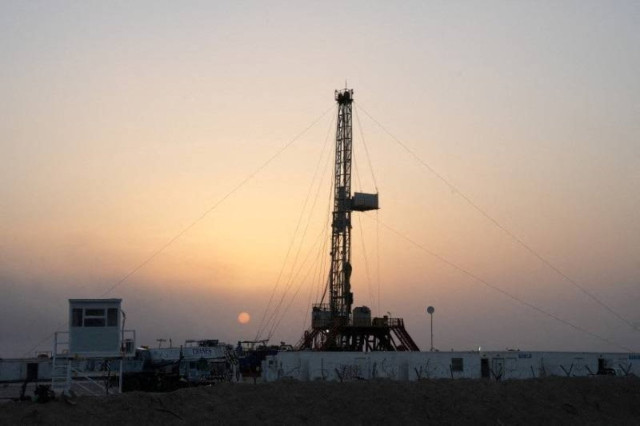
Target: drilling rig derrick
{"x":334,"y":325}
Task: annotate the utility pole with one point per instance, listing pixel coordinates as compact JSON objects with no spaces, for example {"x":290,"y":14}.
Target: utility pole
{"x":430,"y":311}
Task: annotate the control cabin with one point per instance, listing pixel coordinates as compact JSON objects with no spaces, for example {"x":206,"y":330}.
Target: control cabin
{"x":95,"y":327}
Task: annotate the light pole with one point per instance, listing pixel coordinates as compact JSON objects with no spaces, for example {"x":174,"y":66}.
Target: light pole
{"x":430,"y":311}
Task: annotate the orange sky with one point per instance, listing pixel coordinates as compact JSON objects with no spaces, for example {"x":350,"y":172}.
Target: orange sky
{"x":122,"y":124}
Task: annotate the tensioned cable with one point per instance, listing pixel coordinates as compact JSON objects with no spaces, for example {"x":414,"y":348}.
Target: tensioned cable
{"x":300,"y":282}
{"x":327,"y":284}
{"x":502,"y":291}
{"x":220,"y":201}
{"x":375,"y":184}
{"x":262,"y":325}
{"x":42,"y":341}
{"x":364,"y":251}
{"x":275,"y":318}
{"x":295,"y":262}
{"x":366,"y":150}
{"x":378,"y":255}
{"x":533,"y":252}
{"x":318,"y":288}
{"x":205,"y":214}
{"x":318,"y":275}
{"x":366,"y":261}
{"x":315,"y":290}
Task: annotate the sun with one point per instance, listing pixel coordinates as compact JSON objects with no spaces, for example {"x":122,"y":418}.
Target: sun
{"x":244,"y":318}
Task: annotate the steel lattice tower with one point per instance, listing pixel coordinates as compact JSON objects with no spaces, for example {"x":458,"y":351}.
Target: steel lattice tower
{"x":334,"y":326}
{"x":341,"y":297}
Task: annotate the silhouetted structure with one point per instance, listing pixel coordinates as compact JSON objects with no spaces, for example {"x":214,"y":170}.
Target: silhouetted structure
{"x":334,"y":327}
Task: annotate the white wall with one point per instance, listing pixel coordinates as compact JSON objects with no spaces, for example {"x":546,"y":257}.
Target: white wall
{"x":350,"y":366}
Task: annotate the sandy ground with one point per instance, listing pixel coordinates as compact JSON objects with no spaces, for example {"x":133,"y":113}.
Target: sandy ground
{"x":594,"y":400}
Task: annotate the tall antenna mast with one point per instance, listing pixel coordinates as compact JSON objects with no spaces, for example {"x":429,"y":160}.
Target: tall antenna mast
{"x":334,"y":326}
{"x":341,"y":297}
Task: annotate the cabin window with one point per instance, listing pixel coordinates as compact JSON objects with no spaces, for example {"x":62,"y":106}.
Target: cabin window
{"x":76,"y":317}
{"x":92,"y":317}
{"x":457,"y":364}
{"x":112,"y":317}
{"x":94,"y":322}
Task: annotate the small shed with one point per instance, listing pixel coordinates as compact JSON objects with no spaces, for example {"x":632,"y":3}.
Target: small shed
{"x":95,"y":327}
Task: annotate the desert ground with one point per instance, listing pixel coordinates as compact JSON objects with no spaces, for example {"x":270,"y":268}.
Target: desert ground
{"x":589,"y":400}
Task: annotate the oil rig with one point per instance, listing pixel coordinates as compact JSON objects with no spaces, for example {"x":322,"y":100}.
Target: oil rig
{"x":335,"y":326}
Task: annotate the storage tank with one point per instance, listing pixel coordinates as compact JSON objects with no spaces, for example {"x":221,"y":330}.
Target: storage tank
{"x":320,"y":318}
{"x":362,"y":316}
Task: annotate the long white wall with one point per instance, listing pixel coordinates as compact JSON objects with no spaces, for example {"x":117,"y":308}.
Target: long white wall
{"x":14,"y":370}
{"x":349,"y":366}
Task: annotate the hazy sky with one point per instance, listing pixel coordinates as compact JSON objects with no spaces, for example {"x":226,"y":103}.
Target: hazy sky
{"x":122,"y":123}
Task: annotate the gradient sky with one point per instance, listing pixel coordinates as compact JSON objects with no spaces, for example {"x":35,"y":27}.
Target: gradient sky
{"x":122,"y":122}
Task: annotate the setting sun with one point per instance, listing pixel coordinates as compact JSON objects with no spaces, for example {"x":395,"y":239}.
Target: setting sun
{"x":244,"y":318}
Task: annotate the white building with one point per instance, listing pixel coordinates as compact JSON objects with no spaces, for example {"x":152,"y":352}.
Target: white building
{"x":498,"y":365}
{"x":95,"y":327}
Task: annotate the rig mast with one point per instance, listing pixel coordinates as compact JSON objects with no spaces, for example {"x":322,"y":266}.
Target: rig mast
{"x":334,"y":326}
{"x":341,"y":297}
